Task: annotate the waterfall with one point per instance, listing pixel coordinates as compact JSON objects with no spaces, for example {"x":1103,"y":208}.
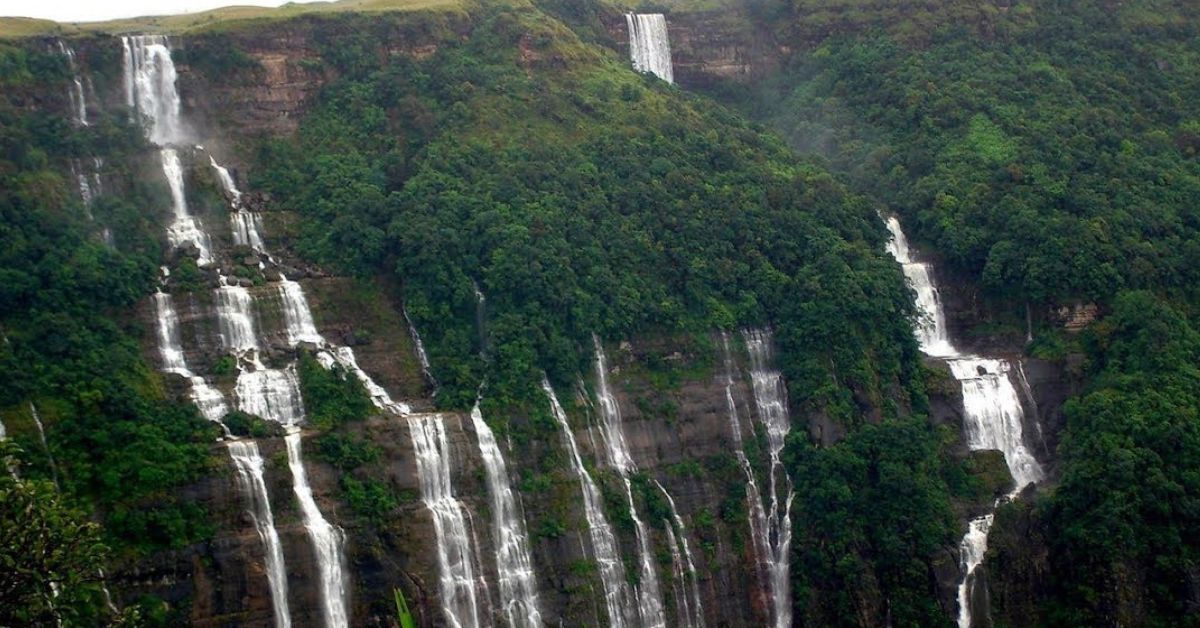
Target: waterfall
{"x":649,"y":44}
{"x":235,"y":318}
{"x":457,"y":579}
{"x":249,"y":465}
{"x":41,"y":429}
{"x":604,"y":542}
{"x":246,"y":224}
{"x":227,"y":185}
{"x":297,"y":316}
{"x":755,"y":513}
{"x":184,"y":228}
{"x":649,"y":597}
{"x":770,"y":397}
{"x":327,"y":541}
{"x":75,"y":93}
{"x":931,"y":327}
{"x":209,"y":400}
{"x":150,"y":86}
{"x":150,"y":92}
{"x":421,"y":355}
{"x":518,"y":581}
{"x":693,"y":614}
{"x":273,"y":394}
{"x":970,"y":554}
{"x":994,"y":418}
{"x":344,"y":357}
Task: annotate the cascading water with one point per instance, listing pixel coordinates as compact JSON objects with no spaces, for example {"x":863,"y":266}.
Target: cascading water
{"x":692,"y":613}
{"x":518,"y":581}
{"x":273,"y":394}
{"x":150,"y":92}
{"x":209,"y":400}
{"x":650,"y":607}
{"x":931,"y":328}
{"x":249,"y":465}
{"x":649,"y":44}
{"x":604,"y":542}
{"x":246,"y":224}
{"x":184,"y":228}
{"x":755,"y":513}
{"x":75,"y":93}
{"x":421,"y":355}
{"x":994,"y":417}
{"x":326,"y":539}
{"x":770,"y":397}
{"x":235,"y":319}
{"x":270,"y":393}
{"x":296,"y":314}
{"x":457,"y":580}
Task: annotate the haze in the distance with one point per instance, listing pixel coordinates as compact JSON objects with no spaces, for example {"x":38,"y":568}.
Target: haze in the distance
{"x":98,"y":10}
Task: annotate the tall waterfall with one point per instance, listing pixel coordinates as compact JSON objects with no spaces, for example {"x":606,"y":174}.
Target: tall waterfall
{"x":770,"y":397}
{"x":456,"y":568}
{"x":272,"y":394}
{"x":209,"y":400}
{"x":327,"y":540}
{"x":518,"y":581}
{"x":691,"y":613}
{"x":75,"y":93}
{"x":604,"y":543}
{"x":756,"y":515}
{"x":650,"y":607}
{"x":150,"y":86}
{"x":150,"y":92}
{"x":994,"y":415}
{"x":249,"y":465}
{"x":649,"y":45}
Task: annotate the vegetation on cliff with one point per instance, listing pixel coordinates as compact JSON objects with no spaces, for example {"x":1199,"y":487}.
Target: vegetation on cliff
{"x":581,"y":198}
{"x":69,"y":351}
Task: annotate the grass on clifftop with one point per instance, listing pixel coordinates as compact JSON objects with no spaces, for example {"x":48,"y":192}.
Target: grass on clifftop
{"x":18,"y":27}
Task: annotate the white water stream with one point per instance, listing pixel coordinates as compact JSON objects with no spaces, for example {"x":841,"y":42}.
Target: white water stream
{"x":994,"y":417}
{"x":649,"y":44}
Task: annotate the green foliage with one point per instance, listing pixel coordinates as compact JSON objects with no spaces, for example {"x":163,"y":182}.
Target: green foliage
{"x":64,"y":301}
{"x":1052,"y":160}
{"x":331,"y":396}
{"x":242,"y":424}
{"x":50,"y":554}
{"x":1126,"y":539}
{"x":869,"y":516}
{"x":403,"y":615}
{"x":583,"y":198}
{"x":369,"y":498}
{"x":345,"y":452}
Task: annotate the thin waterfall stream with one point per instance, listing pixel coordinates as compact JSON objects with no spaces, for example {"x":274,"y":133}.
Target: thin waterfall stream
{"x":650,"y":608}
{"x":605,"y":550}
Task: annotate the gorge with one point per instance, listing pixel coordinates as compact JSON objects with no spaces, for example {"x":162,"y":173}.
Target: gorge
{"x":711,"y":383}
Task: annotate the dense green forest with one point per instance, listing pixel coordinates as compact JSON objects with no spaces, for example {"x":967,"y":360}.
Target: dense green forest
{"x":582,"y":198}
{"x":1046,"y":151}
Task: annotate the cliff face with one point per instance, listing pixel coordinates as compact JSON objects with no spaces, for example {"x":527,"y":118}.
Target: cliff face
{"x":710,"y":50}
{"x":672,"y":391}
